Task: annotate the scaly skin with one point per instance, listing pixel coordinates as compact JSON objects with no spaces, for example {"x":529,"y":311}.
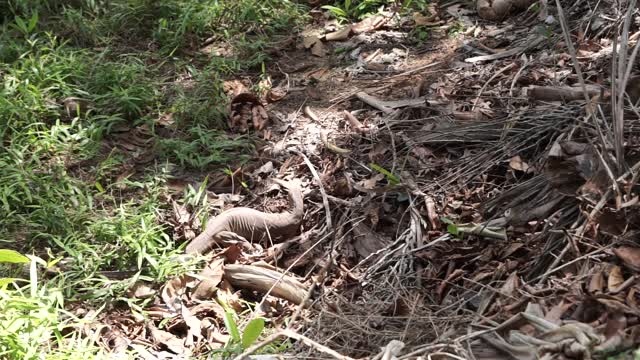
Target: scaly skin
{"x":251,"y":224}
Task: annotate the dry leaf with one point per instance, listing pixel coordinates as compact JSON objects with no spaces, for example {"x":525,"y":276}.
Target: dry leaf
{"x":230,"y":299}
{"x":511,"y":285}
{"x":596,"y":284}
{"x":317,"y":74}
{"x":516,"y":163}
{"x":556,"y":313}
{"x":376,"y":66}
{"x":180,"y":213}
{"x":630,"y":256}
{"x":276,"y":94}
{"x":309,"y":41}
{"x":194,"y":324}
{"x":167,"y":339}
{"x":369,"y":24}
{"x":259,"y":117}
{"x":367,"y":241}
{"x":211,"y":277}
{"x":318,"y":49}
{"x":376,"y":155}
{"x":208,"y":309}
{"x":247,"y":106}
{"x":422,"y":20}
{"x":173,"y":291}
{"x":371,"y":182}
{"x":141,"y":290}
{"x":615,"y":278}
{"x":234,"y":88}
{"x":165,"y":119}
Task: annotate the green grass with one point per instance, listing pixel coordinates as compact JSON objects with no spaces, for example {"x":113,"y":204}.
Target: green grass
{"x":62,"y":195}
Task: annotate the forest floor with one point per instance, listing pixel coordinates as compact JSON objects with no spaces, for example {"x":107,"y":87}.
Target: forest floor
{"x":469,"y":190}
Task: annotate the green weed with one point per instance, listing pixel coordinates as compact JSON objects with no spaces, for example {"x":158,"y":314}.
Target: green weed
{"x":354,"y":10}
{"x":30,"y":315}
{"x":200,"y":148}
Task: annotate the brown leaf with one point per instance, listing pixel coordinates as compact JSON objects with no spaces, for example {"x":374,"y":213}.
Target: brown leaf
{"x":422,"y":20}
{"x":369,"y":24}
{"x":230,"y":299}
{"x":318,"y":49}
{"x":511,"y":285}
{"x":376,"y":66}
{"x":173,"y":291}
{"x":180,"y":213}
{"x":317,"y":74}
{"x":422,"y":152}
{"x":630,"y":256}
{"x":276,"y":94}
{"x":141,"y":290}
{"x":234,"y":88}
{"x":555,"y":314}
{"x":309,"y":41}
{"x":367,"y":241}
{"x":211,"y":277}
{"x":516,"y":163}
{"x":371,"y":182}
{"x":246,"y":106}
{"x":376,"y":155}
{"x":616,"y":305}
{"x":259,"y":117}
{"x":165,"y":120}
{"x":616,"y":323}
{"x":596,"y":284}
{"x":194,"y":324}
{"x":615,"y":278}
{"x":209,"y":309}
{"x":167,"y":339}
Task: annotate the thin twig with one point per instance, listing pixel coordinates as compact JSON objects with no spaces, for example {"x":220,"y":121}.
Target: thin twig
{"x":325,"y":200}
{"x":475,"y":102}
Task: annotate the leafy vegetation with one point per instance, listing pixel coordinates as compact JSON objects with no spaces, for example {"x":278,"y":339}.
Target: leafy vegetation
{"x":354,"y":10}
{"x":63,"y":195}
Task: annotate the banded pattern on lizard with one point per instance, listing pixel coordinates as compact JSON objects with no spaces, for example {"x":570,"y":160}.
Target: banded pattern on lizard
{"x":251,"y":224}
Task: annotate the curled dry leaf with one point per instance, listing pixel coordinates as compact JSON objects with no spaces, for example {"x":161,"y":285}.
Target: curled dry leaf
{"x":276,"y":94}
{"x":167,"y":339}
{"x":630,"y":256}
{"x":511,"y":285}
{"x":516,"y":163}
{"x":596,"y":284}
{"x":173,"y":291}
{"x":210,"y":277}
{"x":194,"y":324}
{"x":231,"y":299}
{"x":266,"y":281}
{"x":371,"y":182}
{"x":315,"y":44}
{"x":141,"y":290}
{"x":615,"y":278}
{"x":165,"y":120}
{"x":247,"y":106}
